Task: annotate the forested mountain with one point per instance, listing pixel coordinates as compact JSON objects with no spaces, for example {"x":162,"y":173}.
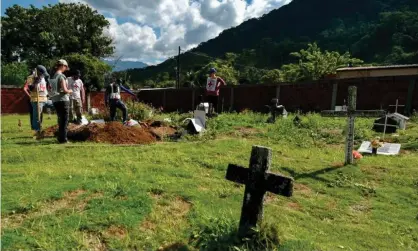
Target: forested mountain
{"x":119,"y":65}
{"x":375,"y":31}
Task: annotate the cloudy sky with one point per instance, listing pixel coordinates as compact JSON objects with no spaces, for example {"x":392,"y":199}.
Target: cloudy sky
{"x":151,"y":30}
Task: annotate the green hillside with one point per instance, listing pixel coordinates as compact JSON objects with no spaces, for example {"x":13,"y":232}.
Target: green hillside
{"x":376,"y":31}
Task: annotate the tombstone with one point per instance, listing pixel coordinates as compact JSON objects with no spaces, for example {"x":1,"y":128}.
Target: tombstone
{"x":386,"y":149}
{"x":400,"y":119}
{"x":351,"y":113}
{"x":257,"y":181}
{"x":197,"y":124}
{"x":275,"y":110}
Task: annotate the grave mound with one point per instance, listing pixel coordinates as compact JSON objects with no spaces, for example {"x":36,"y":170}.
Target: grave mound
{"x":114,"y":133}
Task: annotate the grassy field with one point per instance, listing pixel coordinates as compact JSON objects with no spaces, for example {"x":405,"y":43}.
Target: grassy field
{"x":174,"y":196}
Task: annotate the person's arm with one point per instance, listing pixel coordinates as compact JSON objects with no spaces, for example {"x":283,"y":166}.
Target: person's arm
{"x":221,"y":81}
{"x":63,"y":84}
{"x":26,"y":88}
{"x":127,"y":90}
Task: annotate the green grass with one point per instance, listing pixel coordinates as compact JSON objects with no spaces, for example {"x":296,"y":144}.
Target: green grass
{"x":95,"y":196}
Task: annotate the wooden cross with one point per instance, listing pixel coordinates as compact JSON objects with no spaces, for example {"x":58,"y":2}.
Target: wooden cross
{"x":397,"y":105}
{"x":257,"y":181}
{"x":351,"y":113}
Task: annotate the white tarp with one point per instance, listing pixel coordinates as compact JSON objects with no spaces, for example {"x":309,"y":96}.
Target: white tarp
{"x":131,"y":122}
{"x":84,"y":121}
{"x":197,"y":125}
{"x":200,"y":115}
{"x":386,"y":149}
{"x":97,"y":121}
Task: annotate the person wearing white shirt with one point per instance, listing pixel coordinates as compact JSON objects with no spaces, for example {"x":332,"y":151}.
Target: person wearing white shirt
{"x":77,"y":98}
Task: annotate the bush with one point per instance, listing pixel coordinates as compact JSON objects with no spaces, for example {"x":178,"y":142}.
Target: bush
{"x":14,"y":73}
{"x":140,"y":111}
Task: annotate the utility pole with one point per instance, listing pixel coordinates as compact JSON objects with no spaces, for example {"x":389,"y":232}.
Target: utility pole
{"x":178,"y":69}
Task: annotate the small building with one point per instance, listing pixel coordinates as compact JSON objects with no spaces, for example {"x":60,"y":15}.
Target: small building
{"x":400,"y":119}
{"x":377,"y":71}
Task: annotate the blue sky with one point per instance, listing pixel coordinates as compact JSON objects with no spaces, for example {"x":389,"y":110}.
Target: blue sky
{"x":151,"y":31}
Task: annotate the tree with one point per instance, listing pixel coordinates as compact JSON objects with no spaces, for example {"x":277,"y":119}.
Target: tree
{"x":34,"y":35}
{"x":93,"y":70}
{"x":271,"y":77}
{"x":315,"y":64}
{"x":14,"y":74}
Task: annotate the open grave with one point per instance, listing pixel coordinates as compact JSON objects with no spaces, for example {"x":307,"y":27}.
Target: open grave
{"x":117,"y":133}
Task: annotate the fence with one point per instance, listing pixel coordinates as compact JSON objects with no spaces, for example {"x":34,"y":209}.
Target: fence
{"x":372,"y":93}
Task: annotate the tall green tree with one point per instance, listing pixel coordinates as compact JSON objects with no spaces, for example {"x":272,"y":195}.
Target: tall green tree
{"x":93,"y":70}
{"x":314,"y":64}
{"x":34,"y":34}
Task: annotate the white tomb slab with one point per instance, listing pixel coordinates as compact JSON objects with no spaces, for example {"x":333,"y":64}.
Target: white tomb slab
{"x":386,"y":149}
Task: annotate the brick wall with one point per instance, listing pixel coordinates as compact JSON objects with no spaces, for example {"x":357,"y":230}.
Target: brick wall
{"x":372,"y":93}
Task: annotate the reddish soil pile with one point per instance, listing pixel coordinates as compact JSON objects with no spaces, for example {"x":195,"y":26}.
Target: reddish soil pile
{"x":115,"y":133}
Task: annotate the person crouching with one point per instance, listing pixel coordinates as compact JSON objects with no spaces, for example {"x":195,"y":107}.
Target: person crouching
{"x":113,"y":99}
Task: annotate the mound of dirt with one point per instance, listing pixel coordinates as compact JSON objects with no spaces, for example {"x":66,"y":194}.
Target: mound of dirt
{"x":116,"y":133}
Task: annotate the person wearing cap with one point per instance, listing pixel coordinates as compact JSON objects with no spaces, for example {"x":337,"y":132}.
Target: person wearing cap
{"x":213,"y":84}
{"x":113,"y":99}
{"x":77,"y":98}
{"x":38,"y":97}
{"x":60,"y":96}
{"x":26,"y":89}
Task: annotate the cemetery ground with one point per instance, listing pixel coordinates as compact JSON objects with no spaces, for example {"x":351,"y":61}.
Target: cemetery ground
{"x":174,"y":195}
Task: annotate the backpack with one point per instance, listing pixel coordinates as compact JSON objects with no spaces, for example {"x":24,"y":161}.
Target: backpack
{"x":53,"y":87}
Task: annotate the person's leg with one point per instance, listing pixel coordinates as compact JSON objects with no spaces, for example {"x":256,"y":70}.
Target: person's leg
{"x":72,"y":103}
{"x":112,"y":110}
{"x":66,"y":116}
{"x":34,"y":123}
{"x":59,"y":110}
{"x":30,"y":114}
{"x":124,"y":110}
{"x":215,"y":103}
{"x":77,"y":105}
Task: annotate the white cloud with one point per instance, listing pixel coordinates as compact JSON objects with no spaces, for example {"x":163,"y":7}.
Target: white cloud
{"x":184,"y":23}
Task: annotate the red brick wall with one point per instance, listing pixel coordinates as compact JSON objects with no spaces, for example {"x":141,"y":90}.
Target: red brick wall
{"x":372,"y":93}
{"x":14,"y":100}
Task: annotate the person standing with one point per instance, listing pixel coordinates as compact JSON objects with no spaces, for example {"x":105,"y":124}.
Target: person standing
{"x":77,"y":98}
{"x":38,"y":94}
{"x":213,"y":85}
{"x":60,"y":96}
{"x":113,"y":99}
{"x":26,"y":89}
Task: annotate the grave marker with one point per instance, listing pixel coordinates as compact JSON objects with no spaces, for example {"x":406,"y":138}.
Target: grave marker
{"x":397,"y":105}
{"x":351,"y":113}
{"x":257,"y":181}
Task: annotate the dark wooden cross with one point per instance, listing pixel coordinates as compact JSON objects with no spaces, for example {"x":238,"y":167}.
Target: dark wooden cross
{"x":351,"y":113}
{"x":257,"y":181}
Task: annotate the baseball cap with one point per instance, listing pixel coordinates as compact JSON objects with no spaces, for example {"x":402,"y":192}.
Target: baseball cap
{"x":77,"y":73}
{"x":41,"y":69}
{"x":63,"y":62}
{"x":212,"y":70}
